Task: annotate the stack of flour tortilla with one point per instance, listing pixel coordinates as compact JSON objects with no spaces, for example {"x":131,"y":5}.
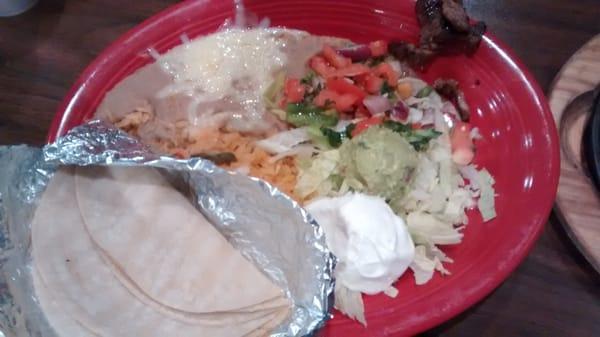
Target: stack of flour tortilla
{"x":119,"y":252}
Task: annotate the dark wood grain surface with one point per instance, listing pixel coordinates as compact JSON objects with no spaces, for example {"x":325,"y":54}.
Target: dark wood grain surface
{"x":553,"y":293}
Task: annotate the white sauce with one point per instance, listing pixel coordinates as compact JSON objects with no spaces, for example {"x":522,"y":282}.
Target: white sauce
{"x":234,"y":65}
{"x":372,"y":243}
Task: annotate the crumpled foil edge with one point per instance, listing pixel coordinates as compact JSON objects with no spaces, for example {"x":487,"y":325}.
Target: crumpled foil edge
{"x":299,"y":261}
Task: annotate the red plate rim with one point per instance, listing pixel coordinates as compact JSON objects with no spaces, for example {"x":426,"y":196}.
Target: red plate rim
{"x":58,"y":127}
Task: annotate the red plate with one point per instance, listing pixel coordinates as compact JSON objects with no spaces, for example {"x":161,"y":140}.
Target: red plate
{"x":520,"y":145}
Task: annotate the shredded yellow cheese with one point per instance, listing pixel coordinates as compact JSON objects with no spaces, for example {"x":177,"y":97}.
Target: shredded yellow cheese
{"x":250,"y":158}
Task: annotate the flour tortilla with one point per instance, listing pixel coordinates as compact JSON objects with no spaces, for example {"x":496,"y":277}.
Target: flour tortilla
{"x":84,"y":287}
{"x":259,"y":311}
{"x":60,"y":321}
{"x":267,"y":328}
{"x":164,"y":244}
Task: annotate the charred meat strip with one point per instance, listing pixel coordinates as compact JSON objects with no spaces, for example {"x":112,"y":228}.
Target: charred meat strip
{"x":445,"y":29}
{"x":450,"y":90}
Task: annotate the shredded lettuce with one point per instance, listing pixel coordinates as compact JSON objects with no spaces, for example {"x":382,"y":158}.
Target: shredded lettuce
{"x":301,"y":152}
{"x":427,"y":229}
{"x":317,"y":138}
{"x":279,"y":113}
{"x":436,"y":177}
{"x":449,"y":178}
{"x":428,"y":259}
{"x":454,"y":211}
{"x":437,"y":201}
{"x":426,"y":175}
{"x":481,"y":185}
{"x":486,"y":203}
{"x":315,"y":178}
{"x":350,"y":303}
{"x":422,"y":266}
{"x":391,"y":292}
{"x":284,"y":141}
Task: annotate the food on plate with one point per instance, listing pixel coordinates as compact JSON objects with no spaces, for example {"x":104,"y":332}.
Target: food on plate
{"x":207,"y":97}
{"x":382,"y":159}
{"x":372,"y":243}
{"x":119,"y":252}
{"x":445,"y":29}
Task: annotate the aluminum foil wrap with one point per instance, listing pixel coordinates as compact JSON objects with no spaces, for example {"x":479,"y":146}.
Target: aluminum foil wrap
{"x":267,"y":226}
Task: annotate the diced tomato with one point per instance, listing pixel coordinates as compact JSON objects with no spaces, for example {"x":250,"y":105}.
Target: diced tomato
{"x":416,"y":126}
{"x":345,"y":102}
{"x":352,"y":70}
{"x":365,"y":124}
{"x":463,"y":150}
{"x":373,"y":84}
{"x":320,"y":66}
{"x":386,"y":71}
{"x":294,"y":90}
{"x":324,"y":97}
{"x":341,"y":102}
{"x":342,"y":86}
{"x":334,"y":58}
{"x":378,"y":48}
{"x":362,"y":111}
{"x":360,"y":80}
{"x":460,"y":136}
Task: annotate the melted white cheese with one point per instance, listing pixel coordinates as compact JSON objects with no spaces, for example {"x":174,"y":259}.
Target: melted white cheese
{"x":234,"y":65}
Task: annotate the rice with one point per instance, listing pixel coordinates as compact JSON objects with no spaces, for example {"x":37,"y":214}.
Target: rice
{"x":251,"y":159}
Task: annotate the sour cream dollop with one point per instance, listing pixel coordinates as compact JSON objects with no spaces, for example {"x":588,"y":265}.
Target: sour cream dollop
{"x":372,"y":243}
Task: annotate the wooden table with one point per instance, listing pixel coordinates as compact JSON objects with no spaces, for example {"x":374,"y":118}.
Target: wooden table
{"x":553,"y":293}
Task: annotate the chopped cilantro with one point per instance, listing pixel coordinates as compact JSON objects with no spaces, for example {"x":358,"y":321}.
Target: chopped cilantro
{"x":334,"y":138}
{"x":419,"y":138}
{"x":308,"y":78}
{"x":388,"y":90}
